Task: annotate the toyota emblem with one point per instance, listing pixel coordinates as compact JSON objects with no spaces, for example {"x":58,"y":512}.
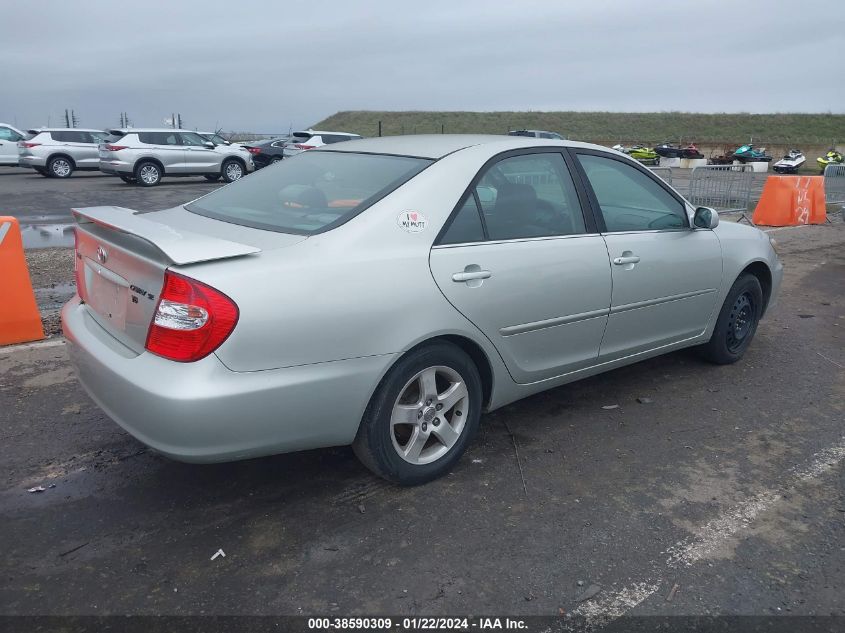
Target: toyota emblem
{"x":102,"y":255}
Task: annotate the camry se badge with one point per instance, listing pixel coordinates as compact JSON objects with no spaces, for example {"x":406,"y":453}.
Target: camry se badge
{"x":412,"y":221}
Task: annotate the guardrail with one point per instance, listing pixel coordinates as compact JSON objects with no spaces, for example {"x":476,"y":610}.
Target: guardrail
{"x":834,"y":184}
{"x":664,"y":172}
{"x":722,"y":187}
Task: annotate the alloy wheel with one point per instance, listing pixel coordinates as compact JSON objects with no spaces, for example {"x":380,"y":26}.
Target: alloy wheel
{"x":149,"y":174}
{"x":429,"y":415}
{"x":61,"y":167}
{"x":234,"y":171}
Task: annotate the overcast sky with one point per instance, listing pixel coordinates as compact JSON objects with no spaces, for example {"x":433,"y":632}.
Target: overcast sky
{"x":264,"y":66}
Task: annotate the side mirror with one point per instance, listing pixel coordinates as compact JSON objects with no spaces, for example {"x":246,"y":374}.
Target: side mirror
{"x":227,"y":143}
{"x":209,"y":144}
{"x":705,"y":218}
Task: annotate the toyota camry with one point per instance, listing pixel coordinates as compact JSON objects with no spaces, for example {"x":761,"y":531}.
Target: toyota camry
{"x":387,"y":292}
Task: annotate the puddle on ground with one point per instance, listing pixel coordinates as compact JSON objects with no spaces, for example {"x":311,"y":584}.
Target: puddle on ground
{"x":47,"y":235}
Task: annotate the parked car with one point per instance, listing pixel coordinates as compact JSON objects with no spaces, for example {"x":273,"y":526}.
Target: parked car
{"x":311,"y":139}
{"x":536,"y":134}
{"x":9,"y":137}
{"x":267,"y":152}
{"x":58,"y":152}
{"x":385,"y":292}
{"x":145,"y":156}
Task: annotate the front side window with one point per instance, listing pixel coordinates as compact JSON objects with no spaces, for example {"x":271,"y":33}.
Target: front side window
{"x":629,"y":200}
{"x":192,"y":139}
{"x":530,"y":195}
{"x":310,"y":193}
{"x":7,"y":134}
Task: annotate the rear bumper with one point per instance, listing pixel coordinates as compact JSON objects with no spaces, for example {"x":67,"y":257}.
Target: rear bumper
{"x":32,"y":161}
{"x":204,"y":412}
{"x":117,"y":167}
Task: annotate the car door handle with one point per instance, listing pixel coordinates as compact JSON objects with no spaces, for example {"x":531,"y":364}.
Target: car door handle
{"x":630,"y":259}
{"x":472,"y":274}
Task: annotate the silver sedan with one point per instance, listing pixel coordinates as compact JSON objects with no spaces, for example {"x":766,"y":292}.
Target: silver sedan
{"x":386,"y":292}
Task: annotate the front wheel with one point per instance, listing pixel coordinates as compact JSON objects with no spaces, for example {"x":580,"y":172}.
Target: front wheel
{"x":422,"y":416}
{"x":232,"y":170}
{"x":737,"y":322}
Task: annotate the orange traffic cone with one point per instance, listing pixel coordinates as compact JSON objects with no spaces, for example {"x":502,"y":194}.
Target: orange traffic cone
{"x":20,"y":320}
{"x":790,"y":201}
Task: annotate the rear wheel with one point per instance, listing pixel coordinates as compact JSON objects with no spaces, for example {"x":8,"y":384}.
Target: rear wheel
{"x":276,"y":159}
{"x":60,"y":167}
{"x":737,"y":322}
{"x":148,"y":174}
{"x":422,"y":416}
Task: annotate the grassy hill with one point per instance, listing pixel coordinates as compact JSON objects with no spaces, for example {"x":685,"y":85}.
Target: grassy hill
{"x":605,"y":127}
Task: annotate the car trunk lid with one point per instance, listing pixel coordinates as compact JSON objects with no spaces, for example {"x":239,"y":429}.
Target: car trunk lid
{"x":121,"y":257}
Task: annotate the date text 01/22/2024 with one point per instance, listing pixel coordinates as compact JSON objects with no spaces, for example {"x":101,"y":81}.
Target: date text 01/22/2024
{"x":416,"y":624}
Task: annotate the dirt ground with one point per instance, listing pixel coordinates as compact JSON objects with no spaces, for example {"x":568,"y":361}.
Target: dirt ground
{"x":705,"y":490}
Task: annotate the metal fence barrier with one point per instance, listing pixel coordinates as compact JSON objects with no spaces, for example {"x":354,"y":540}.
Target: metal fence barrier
{"x":664,"y":172}
{"x":834,"y":184}
{"x":723,"y":187}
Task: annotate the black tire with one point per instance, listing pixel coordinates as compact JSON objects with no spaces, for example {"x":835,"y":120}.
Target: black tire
{"x":212,"y":177}
{"x":43,"y":171}
{"x":129,"y":180}
{"x":60,"y":167}
{"x":229,"y":170}
{"x":737,"y":322}
{"x":374,"y":443}
{"x":276,"y":159}
{"x":148,"y":173}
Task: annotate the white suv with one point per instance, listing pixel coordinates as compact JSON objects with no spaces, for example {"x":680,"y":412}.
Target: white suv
{"x":145,"y":156}
{"x":58,"y":152}
{"x":9,"y":137}
{"x":309,"y":139}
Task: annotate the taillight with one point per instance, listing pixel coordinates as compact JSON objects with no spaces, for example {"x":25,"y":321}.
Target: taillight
{"x":77,"y":265}
{"x":115,"y":148}
{"x":301,"y":146}
{"x":253,"y":150}
{"x":27,"y":145}
{"x":191,"y":319}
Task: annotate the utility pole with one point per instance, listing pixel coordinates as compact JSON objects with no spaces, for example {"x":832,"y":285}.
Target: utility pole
{"x":67,"y":118}
{"x":173,"y":120}
{"x":73,"y":118}
{"x":179,"y":118}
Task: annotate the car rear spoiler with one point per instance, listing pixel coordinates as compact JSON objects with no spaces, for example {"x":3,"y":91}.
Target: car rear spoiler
{"x":178,"y":245}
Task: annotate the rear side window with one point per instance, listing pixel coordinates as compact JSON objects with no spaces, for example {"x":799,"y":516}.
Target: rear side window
{"x":159,"y":138}
{"x":70,"y":136}
{"x":310,"y":193}
{"x":466,"y":226}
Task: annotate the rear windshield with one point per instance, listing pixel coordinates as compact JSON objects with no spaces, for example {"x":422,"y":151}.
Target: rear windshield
{"x":310,"y":193}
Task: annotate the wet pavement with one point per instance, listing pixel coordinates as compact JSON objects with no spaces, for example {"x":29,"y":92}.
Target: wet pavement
{"x":705,"y":490}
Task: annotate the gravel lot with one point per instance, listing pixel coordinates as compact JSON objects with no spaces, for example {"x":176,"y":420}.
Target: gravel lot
{"x":707,"y":490}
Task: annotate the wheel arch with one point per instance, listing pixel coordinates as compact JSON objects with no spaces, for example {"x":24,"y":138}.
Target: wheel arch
{"x":470,"y":348}
{"x":64,"y":155}
{"x":763,"y":274}
{"x":149,"y":159}
{"x":235,"y":158}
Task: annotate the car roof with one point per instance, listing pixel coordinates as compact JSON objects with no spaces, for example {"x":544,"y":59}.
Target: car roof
{"x":135,"y":130}
{"x":318,"y":132}
{"x":439,"y":145}
{"x":38,"y":130}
